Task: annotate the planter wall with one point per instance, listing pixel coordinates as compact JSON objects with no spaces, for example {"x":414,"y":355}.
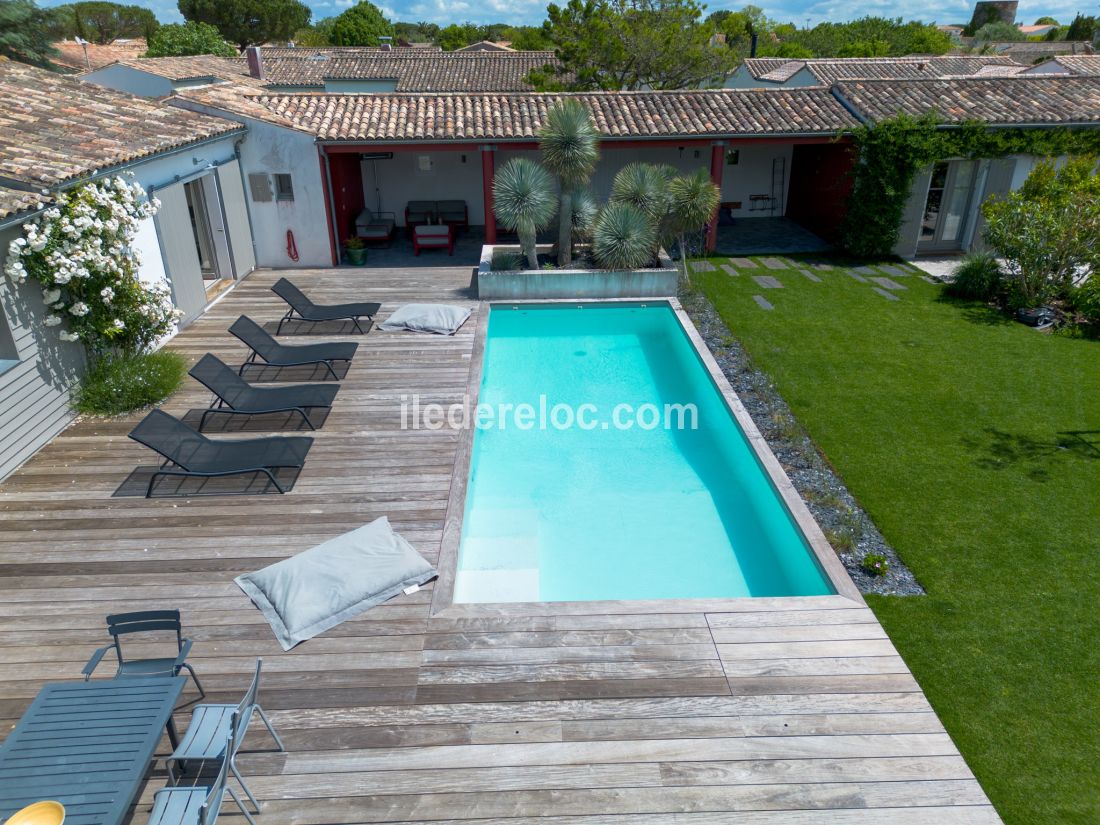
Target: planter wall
{"x":572,"y":283}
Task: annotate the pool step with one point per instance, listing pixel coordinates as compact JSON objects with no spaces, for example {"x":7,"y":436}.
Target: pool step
{"x":487,"y":586}
{"x":499,"y":553}
{"x":502,"y":520}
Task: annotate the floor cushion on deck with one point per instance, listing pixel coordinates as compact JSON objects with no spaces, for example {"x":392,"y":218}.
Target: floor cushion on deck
{"x":442,"y":319}
{"x":328,"y":584}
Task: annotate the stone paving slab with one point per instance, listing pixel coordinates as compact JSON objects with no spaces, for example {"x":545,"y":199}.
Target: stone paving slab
{"x":810,"y":275}
{"x":851,"y":273}
{"x":865,"y":270}
{"x":763,"y":303}
{"x":822,"y":266}
{"x":886,"y":294}
{"x":767,"y":281}
{"x":743,"y":263}
{"x":930,"y":280}
{"x":896,"y":271}
{"x":730,"y":270}
{"x":776,"y":263}
{"x":702,"y":266}
{"x":886,"y":283}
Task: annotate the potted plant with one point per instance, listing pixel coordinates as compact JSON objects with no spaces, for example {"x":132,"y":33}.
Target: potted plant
{"x":355,"y":250}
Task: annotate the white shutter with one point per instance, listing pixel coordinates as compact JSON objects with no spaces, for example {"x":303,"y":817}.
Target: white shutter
{"x":181,"y":256}
{"x":236,"y":219}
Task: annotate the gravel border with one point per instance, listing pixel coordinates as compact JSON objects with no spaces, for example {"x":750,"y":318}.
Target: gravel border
{"x":833,"y":507}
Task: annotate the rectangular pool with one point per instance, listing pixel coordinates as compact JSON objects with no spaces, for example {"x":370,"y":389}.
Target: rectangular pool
{"x":579,"y":497}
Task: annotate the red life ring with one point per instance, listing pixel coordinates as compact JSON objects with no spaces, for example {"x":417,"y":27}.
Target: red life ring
{"x":291,"y":246}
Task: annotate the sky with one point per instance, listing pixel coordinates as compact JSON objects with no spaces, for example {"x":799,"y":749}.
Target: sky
{"x":532,"y":12}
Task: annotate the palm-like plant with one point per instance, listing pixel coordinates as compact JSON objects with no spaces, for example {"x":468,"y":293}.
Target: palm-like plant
{"x":585,"y":210}
{"x":693,"y":199}
{"x":523,"y":199}
{"x":644,"y":185}
{"x":570,"y":150}
{"x":623,"y":237}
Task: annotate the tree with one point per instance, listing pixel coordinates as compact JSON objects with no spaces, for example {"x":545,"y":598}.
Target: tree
{"x":999,"y":31}
{"x":1046,"y":230}
{"x":317,"y":35}
{"x":249,"y":22}
{"x":182,"y":39}
{"x":527,"y":38}
{"x":361,"y":25}
{"x":419,"y":32}
{"x":457,"y":35}
{"x":523,"y":200}
{"x":1047,"y":21}
{"x":570,"y":145}
{"x":868,"y":37}
{"x":103,"y":23}
{"x":24,"y":33}
{"x":693,"y":200}
{"x":631,"y":44}
{"x":1083,"y":27}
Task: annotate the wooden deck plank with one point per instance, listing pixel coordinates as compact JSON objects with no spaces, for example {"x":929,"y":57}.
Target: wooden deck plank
{"x":648,"y":713}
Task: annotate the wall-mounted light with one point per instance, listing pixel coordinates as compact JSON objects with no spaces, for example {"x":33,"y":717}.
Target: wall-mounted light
{"x":732,"y":157}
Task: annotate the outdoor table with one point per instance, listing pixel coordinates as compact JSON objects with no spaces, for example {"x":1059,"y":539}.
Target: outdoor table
{"x":87,"y":745}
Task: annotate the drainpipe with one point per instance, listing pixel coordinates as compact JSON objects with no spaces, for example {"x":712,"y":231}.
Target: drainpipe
{"x":330,"y":205}
{"x":247,"y":198}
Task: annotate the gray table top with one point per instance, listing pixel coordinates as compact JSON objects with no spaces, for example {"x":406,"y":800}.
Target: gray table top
{"x":87,"y":745}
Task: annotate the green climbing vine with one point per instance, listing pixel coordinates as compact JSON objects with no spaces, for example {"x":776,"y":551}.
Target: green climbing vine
{"x":891,"y":153}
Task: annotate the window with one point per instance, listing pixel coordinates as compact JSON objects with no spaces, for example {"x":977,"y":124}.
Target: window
{"x":284,"y":188}
{"x":9,"y":356}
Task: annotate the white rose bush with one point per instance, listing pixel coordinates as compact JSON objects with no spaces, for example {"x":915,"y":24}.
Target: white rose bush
{"x":81,"y":252}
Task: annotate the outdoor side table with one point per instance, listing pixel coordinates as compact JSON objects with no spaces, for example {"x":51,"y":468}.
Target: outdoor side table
{"x":87,"y":745}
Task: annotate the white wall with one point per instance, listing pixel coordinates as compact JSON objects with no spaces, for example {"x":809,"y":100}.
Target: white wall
{"x":270,"y":149}
{"x":401,"y":180}
{"x":134,"y":81}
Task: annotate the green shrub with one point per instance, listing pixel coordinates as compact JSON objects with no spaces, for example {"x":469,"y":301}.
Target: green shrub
{"x":875,"y":564}
{"x":1086,"y":299}
{"x":623,"y":237}
{"x":120,"y":384}
{"x":978,"y":277}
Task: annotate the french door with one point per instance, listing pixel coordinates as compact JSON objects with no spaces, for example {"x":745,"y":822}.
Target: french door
{"x":947,"y":206}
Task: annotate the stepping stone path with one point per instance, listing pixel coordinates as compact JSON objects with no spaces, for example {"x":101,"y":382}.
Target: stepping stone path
{"x":703,"y":266}
{"x":886,"y":283}
{"x":810,"y":275}
{"x":762,"y":302}
{"x":767,"y":281}
{"x":865,"y":270}
{"x":730,"y":270}
{"x":886,"y":294}
{"x":776,"y":263}
{"x":743,"y":263}
{"x":822,"y":266}
{"x":930,"y":280}
{"x":895,"y":271}
{"x":851,"y":273}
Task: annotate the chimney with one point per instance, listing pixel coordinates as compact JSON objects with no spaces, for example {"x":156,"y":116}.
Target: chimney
{"x":385,"y":43}
{"x":255,"y":62}
{"x":752,"y":47}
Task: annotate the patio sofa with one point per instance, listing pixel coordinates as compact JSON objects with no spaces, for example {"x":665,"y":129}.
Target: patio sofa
{"x":453,"y":213}
{"x":375,"y":227}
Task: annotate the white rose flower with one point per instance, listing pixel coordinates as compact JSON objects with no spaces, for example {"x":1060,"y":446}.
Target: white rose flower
{"x":51,"y":296}
{"x":118,"y":324}
{"x":106,"y":294}
{"x":52,"y":320}
{"x":79,"y":309}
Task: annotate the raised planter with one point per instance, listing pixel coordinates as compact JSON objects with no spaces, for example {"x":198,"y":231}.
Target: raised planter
{"x":520,"y":284}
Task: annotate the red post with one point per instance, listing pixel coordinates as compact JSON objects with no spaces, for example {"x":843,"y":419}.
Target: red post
{"x":487,"y":191}
{"x":329,"y":217}
{"x":717,"y":162}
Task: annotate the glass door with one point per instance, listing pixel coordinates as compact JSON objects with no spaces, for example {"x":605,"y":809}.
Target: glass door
{"x":947,"y":206}
{"x":200,"y":226}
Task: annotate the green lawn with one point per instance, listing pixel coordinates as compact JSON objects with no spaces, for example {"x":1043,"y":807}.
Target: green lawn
{"x":974,"y":444}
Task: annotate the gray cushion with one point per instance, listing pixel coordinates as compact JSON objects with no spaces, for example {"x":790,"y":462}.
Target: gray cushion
{"x":334,"y":581}
{"x":442,"y":319}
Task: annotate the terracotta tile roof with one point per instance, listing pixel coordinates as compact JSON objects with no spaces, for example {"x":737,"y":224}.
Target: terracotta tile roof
{"x":14,"y":201}
{"x":1083,"y":65}
{"x":830,"y":70}
{"x":405,"y":117}
{"x":190,"y":68}
{"x":416,"y":70}
{"x":54,"y":128}
{"x":71,"y":53}
{"x":1004,"y":100}
{"x":344,"y":51}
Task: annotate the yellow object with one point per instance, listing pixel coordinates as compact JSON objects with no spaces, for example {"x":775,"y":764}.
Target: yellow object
{"x":40,"y":813}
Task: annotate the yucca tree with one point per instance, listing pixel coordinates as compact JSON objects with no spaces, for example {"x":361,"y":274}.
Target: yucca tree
{"x":623,"y":237}
{"x":585,"y":210}
{"x":570,"y":146}
{"x":523,"y":199}
{"x":644,"y":185}
{"x":693,"y":199}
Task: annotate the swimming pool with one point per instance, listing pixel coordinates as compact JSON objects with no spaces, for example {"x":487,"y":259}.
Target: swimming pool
{"x":585,"y":498}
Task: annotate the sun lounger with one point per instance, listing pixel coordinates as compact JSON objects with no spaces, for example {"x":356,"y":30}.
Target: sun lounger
{"x":316,"y":313}
{"x":237,"y":397}
{"x":189,"y":453}
{"x":265,"y":347}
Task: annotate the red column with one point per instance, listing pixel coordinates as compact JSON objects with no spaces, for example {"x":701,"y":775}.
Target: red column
{"x":487,"y":191}
{"x":329,"y":218}
{"x":717,"y":163}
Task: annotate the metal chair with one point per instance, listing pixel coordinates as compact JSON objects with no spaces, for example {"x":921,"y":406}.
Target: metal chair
{"x":263,"y":346}
{"x":145,"y":621}
{"x":197,"y":805}
{"x":211,"y":724}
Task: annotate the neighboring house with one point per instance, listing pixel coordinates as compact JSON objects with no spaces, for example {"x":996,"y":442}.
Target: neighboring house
{"x":79,"y":57}
{"x":487,"y":46}
{"x":56,"y":132}
{"x":1079,"y":65}
{"x":1029,"y":52}
{"x":776,"y":72}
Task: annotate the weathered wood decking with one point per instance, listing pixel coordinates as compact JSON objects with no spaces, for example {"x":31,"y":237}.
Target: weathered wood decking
{"x":767,"y":716}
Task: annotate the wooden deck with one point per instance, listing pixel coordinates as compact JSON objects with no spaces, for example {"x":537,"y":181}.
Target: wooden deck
{"x":789,"y":713}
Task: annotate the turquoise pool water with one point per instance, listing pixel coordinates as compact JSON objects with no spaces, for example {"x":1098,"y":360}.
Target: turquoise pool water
{"x":607,"y":511}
